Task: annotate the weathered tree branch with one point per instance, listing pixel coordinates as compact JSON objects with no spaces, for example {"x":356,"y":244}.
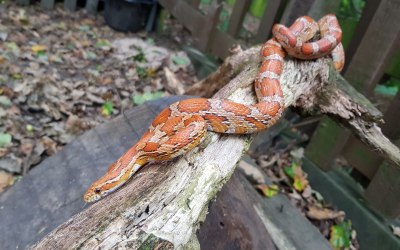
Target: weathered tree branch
{"x":164,"y":204}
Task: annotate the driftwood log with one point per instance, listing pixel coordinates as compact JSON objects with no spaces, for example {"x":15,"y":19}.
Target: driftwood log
{"x":163,"y":206}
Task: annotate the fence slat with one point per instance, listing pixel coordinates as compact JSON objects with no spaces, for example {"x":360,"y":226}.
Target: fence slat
{"x":364,"y":71}
{"x":363,"y":158}
{"x":47,"y":4}
{"x":194,"y":3}
{"x":320,"y":8}
{"x":326,"y":143}
{"x":383,"y":191}
{"x":91,"y":6}
{"x":236,"y":19}
{"x":70,"y":5}
{"x":202,"y":27}
{"x":209,"y":26}
{"x":294,"y":9}
{"x":376,"y":48}
{"x":23,"y":2}
{"x":271,"y":14}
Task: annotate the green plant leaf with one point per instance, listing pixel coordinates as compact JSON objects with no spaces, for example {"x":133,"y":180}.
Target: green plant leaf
{"x":107,"y":109}
{"x":5,"y":140}
{"x":89,"y":55}
{"x":102,"y":43}
{"x":29,"y":128}
{"x":340,"y":235}
{"x":178,"y":60}
{"x":291,"y":170}
{"x":146,"y":96}
{"x":5,"y":101}
{"x":268,"y":190}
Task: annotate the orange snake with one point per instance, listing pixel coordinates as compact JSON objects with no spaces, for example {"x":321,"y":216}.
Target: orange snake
{"x":183,"y":125}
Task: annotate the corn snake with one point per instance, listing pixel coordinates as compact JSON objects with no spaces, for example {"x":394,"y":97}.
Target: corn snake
{"x":183,"y":125}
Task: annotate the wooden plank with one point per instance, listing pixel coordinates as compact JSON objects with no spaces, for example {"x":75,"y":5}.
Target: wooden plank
{"x":191,"y":18}
{"x":319,"y":9}
{"x":362,"y":157}
{"x":194,"y":3}
{"x":91,"y":6}
{"x":294,"y":9}
{"x":232,"y":217}
{"x":238,"y":13}
{"x":216,"y":40}
{"x":384,"y":189}
{"x":59,"y":182}
{"x":271,"y":15}
{"x":326,"y":143}
{"x":47,"y":4}
{"x":362,"y":26}
{"x":376,"y":48}
{"x":205,"y":35}
{"x":70,"y":5}
{"x":338,"y":188}
{"x":364,"y":72}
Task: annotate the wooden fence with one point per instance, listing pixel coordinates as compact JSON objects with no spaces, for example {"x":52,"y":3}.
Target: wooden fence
{"x":371,"y":50}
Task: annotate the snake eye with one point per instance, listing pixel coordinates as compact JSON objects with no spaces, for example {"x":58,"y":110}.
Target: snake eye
{"x":97,"y":190}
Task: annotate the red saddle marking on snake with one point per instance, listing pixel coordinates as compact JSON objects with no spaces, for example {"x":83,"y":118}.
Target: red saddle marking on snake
{"x":183,"y":125}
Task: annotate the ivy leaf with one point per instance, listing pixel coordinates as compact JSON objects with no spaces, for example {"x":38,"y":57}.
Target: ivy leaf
{"x":107,"y":109}
{"x":268,"y":190}
{"x":89,"y":55}
{"x":5,"y":140}
{"x":146,"y":96}
{"x":290,"y":170}
{"x":295,"y":172}
{"x":180,"y":60}
{"x":340,"y":235}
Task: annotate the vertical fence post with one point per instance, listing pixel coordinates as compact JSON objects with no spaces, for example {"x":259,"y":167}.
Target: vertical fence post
{"x":47,"y":4}
{"x":236,"y":19}
{"x":91,"y":6}
{"x":70,"y":4}
{"x":272,"y":12}
{"x":24,"y":2}
{"x":364,"y":71}
{"x":384,"y":189}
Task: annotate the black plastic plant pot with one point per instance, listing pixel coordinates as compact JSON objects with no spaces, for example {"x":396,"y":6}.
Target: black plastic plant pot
{"x":127,"y":15}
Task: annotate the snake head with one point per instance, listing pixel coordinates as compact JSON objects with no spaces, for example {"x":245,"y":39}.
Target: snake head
{"x":93,"y":194}
{"x":102,"y":187}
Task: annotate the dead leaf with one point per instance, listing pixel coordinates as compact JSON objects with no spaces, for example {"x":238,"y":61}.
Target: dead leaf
{"x":39,"y":48}
{"x":26,"y":148}
{"x":318,"y":213}
{"x":3,"y":152}
{"x":173,"y":84}
{"x":396,"y":230}
{"x":6,"y":180}
{"x":268,"y":190}
{"x":251,"y":172}
{"x":49,"y":145}
{"x":11,"y":163}
{"x":76,"y":125}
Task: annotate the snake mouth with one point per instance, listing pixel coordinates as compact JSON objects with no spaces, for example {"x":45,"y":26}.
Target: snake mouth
{"x":91,"y":198}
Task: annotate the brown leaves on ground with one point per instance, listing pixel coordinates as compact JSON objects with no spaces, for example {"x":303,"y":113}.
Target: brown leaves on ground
{"x":64,"y":72}
{"x":282,"y":163}
{"x":6,"y":180}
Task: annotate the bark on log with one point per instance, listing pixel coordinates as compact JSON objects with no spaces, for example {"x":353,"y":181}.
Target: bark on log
{"x":164,"y":204}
